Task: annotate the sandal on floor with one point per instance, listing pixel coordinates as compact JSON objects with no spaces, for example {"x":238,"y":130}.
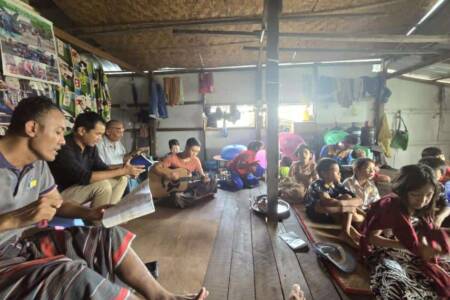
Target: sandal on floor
{"x":337,"y":255}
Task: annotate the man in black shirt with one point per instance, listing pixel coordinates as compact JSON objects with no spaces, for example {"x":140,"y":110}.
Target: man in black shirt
{"x":80,"y":173}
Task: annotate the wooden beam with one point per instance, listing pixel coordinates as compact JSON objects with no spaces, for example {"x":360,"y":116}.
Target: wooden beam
{"x":332,"y":37}
{"x":341,"y":12}
{"x":351,"y":50}
{"x":441,"y":78}
{"x":418,"y":80}
{"x":272,"y":94}
{"x":89,"y":31}
{"x":377,"y":4}
{"x":255,"y":33}
{"x":423,"y":64}
{"x":376,"y":38}
{"x":91,"y":49}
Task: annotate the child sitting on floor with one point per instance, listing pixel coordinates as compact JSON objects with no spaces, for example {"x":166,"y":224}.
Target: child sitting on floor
{"x":304,"y":170}
{"x":378,"y":177}
{"x":361,"y":183}
{"x":442,"y":205}
{"x":328,"y":200}
{"x":301,"y":174}
{"x":285,"y":165}
{"x":437,"y":152}
{"x":406,"y":264}
{"x":245,"y":170}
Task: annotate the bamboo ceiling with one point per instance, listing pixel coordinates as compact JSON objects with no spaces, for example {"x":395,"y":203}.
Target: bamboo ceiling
{"x":122,"y":28}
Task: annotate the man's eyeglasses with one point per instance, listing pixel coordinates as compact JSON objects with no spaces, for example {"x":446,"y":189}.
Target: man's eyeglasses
{"x":118,"y":128}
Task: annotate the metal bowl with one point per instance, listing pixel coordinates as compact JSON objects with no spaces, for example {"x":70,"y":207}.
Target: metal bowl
{"x":283,"y":208}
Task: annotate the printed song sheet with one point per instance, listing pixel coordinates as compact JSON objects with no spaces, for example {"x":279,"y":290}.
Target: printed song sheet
{"x":136,"y":204}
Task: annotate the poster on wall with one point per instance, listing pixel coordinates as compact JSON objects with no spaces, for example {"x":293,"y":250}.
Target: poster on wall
{"x":12,"y":90}
{"x":27,"y":44}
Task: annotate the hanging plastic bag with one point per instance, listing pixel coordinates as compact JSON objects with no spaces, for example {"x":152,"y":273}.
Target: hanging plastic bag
{"x":400,"y":137}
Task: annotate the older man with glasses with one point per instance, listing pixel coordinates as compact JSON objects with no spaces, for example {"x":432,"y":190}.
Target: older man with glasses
{"x":111,"y":149}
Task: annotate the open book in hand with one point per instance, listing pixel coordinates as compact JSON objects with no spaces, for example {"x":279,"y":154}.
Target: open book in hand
{"x":137,"y":203}
{"x":141,"y":160}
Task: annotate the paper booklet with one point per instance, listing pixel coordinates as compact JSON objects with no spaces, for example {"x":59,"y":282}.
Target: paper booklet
{"x":137,"y":203}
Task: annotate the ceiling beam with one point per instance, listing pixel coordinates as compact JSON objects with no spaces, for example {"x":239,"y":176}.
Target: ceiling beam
{"x":441,"y":78}
{"x":332,"y":37}
{"x":91,"y":49}
{"x":340,"y":12}
{"x":423,"y":64}
{"x":146,"y":26}
{"x":431,"y":82}
{"x":378,"y":4}
{"x":351,"y":50}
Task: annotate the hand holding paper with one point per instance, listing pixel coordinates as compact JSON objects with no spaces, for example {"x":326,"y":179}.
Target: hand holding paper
{"x":136,"y":204}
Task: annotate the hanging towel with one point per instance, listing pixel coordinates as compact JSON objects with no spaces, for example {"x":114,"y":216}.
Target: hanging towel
{"x":172,"y":90}
{"x":384,"y":136}
{"x":181,"y":100}
{"x":206,"y":82}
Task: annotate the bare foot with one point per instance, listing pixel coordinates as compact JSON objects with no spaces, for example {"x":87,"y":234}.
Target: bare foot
{"x":296,"y":293}
{"x":347,"y":238}
{"x":354,"y":234}
{"x":202,"y":295}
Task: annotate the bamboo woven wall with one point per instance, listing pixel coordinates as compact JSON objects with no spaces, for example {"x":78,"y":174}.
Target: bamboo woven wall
{"x":156,"y":48}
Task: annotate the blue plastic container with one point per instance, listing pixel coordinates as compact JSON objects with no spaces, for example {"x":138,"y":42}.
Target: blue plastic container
{"x":231,"y":151}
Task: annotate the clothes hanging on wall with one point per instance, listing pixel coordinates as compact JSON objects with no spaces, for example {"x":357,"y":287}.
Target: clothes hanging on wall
{"x":157,"y":101}
{"x":206,"y":82}
{"x":376,"y":88}
{"x":173,"y":88}
{"x":346,"y":91}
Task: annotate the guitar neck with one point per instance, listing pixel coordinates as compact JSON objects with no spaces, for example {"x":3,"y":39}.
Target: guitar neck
{"x":192,"y":178}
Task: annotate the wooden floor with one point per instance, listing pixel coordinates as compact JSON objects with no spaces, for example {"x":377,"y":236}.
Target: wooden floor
{"x":181,"y":240}
{"x":224,"y":246}
{"x":250,"y":261}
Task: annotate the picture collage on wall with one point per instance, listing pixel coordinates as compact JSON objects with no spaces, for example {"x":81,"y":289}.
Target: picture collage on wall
{"x":35,"y":63}
{"x":27,"y":44}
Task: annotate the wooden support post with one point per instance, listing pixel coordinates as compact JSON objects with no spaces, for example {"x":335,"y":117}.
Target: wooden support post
{"x":259,"y":79}
{"x":379,"y":105}
{"x":441,"y":99}
{"x":272,"y":86}
{"x":152,"y":128}
{"x":203,"y":133}
{"x":258,"y":105}
{"x":315,"y":88}
{"x":152,"y":124}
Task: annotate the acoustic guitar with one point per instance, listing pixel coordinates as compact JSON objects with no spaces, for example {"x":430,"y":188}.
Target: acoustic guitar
{"x":162,"y":187}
